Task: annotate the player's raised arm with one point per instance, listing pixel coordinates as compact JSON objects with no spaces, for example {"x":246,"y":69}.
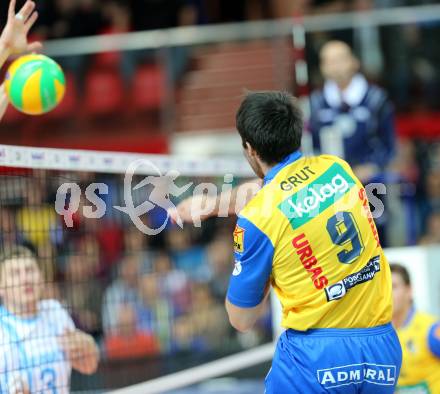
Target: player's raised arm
{"x":227,"y":203}
{"x":3,"y":101}
{"x":14,"y":37}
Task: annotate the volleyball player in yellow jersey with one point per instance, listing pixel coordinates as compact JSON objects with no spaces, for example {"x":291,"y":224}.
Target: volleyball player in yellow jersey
{"x":419,"y":334}
{"x":309,"y":233}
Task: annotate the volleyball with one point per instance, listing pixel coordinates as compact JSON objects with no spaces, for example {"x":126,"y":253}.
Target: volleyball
{"x":35,"y":84}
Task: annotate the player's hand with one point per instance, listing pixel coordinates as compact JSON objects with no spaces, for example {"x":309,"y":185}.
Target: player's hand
{"x":194,"y":209}
{"x":80,"y":349}
{"x":73,"y":343}
{"x":3,"y":101}
{"x":14,"y":36}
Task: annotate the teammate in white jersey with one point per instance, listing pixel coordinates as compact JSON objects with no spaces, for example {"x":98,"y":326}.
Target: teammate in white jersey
{"x":39,"y":344}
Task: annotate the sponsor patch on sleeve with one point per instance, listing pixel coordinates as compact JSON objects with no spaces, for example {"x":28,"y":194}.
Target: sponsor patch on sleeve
{"x":239,"y":239}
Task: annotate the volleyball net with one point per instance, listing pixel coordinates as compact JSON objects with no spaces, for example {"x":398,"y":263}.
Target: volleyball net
{"x":150,"y":292}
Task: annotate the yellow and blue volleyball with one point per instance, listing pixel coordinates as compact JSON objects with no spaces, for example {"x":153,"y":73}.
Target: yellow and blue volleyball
{"x":35,"y":84}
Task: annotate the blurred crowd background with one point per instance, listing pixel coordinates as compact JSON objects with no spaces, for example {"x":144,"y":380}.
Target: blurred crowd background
{"x":77,"y":18}
{"x":155,"y":300}
{"x":149,"y":297}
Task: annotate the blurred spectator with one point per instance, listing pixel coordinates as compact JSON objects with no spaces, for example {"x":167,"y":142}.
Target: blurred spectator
{"x":349,"y":117}
{"x":432,"y":235}
{"x":136,"y":242}
{"x":46,"y":258}
{"x":122,"y":291}
{"x":433,"y":188}
{"x":405,"y":162}
{"x":221,"y":259}
{"x":37,"y":220}
{"x":205,"y":326}
{"x":67,"y":18}
{"x":126,"y":340}
{"x":117,"y":17}
{"x":155,"y":313}
{"x":173,"y":283}
{"x":110,"y":238}
{"x":9,"y":234}
{"x":191,"y":259}
{"x":82,"y":289}
{"x":403,"y":177}
{"x":240,"y":10}
{"x":160,"y":14}
{"x":353,"y":119}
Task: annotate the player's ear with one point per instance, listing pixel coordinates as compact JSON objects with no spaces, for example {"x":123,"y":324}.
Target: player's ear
{"x":250,"y":151}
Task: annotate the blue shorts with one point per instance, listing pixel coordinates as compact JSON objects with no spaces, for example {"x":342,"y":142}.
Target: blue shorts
{"x":336,"y":361}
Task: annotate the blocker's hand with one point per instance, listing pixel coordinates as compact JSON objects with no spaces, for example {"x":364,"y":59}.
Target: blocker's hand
{"x":3,"y":101}
{"x":73,"y":344}
{"x":80,"y":349}
{"x":14,"y":36}
{"x":194,"y":209}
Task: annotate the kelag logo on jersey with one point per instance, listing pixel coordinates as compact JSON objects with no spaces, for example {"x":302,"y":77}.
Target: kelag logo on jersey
{"x":317,"y":196}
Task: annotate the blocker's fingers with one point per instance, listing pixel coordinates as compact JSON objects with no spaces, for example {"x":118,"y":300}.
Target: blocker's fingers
{"x":11,"y":10}
{"x":35,"y":46}
{"x":3,"y":104}
{"x":30,"y":22}
{"x":3,"y":96}
{"x":27,"y":9}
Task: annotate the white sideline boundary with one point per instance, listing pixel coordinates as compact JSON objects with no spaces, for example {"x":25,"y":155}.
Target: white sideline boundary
{"x":217,"y":368}
{"x":118,"y":162}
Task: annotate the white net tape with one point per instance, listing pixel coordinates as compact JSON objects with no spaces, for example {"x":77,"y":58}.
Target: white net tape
{"x":114,"y":162}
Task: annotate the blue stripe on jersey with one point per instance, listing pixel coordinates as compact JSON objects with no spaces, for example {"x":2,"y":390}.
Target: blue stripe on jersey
{"x":253,"y":267}
{"x":434,"y":339}
{"x":23,"y":361}
{"x":29,"y":320}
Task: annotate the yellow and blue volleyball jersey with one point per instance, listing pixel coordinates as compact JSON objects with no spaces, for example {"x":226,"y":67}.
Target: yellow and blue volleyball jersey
{"x":309,"y":231}
{"x":420,"y":340}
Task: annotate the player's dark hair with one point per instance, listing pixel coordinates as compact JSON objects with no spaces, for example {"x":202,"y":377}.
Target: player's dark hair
{"x":402,"y":271}
{"x":15,"y":252}
{"x":272,"y":123}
